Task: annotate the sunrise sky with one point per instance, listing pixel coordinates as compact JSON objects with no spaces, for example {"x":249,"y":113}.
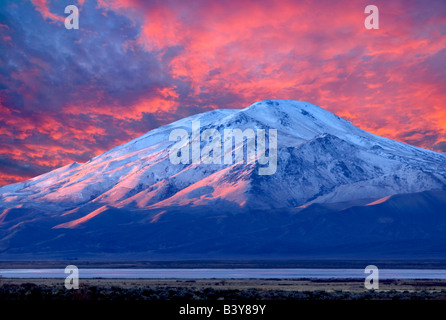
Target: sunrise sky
{"x":133,"y":65}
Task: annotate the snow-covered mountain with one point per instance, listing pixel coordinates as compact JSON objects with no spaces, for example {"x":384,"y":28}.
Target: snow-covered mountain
{"x":322,"y":160}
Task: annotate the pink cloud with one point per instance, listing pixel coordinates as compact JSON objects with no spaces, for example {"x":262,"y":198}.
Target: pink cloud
{"x":42,"y":7}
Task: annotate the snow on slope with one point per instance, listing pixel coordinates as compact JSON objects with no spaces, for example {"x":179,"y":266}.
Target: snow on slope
{"x":321,"y":158}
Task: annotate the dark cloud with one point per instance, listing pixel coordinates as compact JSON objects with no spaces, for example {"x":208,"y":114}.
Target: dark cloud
{"x":56,"y":67}
{"x":440,"y":146}
{"x":22,"y":168}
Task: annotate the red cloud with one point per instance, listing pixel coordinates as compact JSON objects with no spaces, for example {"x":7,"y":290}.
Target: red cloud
{"x":316,"y":51}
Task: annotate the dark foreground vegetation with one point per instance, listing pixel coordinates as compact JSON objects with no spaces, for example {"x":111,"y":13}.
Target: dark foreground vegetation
{"x":33,"y":292}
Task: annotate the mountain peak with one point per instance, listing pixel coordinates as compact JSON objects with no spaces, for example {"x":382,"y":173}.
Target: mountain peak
{"x":289,"y":107}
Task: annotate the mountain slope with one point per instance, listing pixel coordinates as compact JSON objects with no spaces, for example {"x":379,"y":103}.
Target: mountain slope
{"x":409,"y":226}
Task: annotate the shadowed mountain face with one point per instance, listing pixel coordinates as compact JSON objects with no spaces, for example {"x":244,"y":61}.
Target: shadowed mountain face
{"x":337,"y":191}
